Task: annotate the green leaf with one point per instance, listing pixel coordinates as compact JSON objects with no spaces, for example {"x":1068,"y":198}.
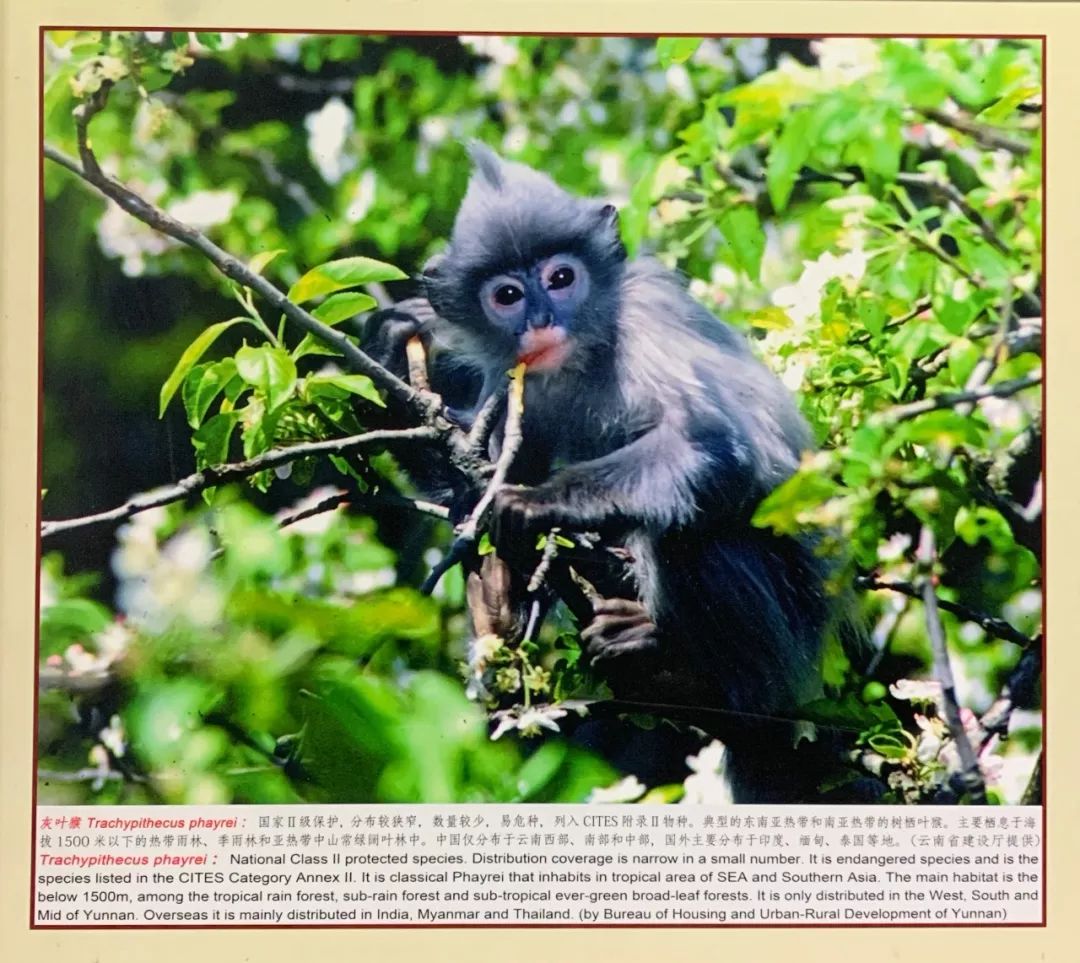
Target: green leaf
{"x":786,"y":158}
{"x":540,"y":768}
{"x":188,"y":359}
{"x":742,"y":229}
{"x":203,"y":385}
{"x":258,"y":263}
{"x":871,"y":313}
{"x":944,"y":428}
{"x":338,"y":307}
{"x":72,"y":620}
{"x":956,"y":315}
{"x":355,"y":384}
{"x":771,"y":319}
{"x":309,"y":345}
{"x":345,"y":273}
{"x":1007,"y":104}
{"x":270,"y":371}
{"x":211,"y":441}
{"x":676,"y":50}
{"x":963,"y":356}
{"x":850,"y":712}
{"x":634,"y":217}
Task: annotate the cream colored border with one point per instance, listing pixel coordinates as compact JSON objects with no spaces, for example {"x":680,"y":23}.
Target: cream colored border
{"x":18,"y":391}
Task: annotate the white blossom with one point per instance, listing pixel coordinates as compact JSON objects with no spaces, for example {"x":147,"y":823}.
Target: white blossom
{"x":709,"y":782}
{"x":802,"y":300}
{"x":363,"y":198}
{"x":528,"y":720}
{"x":843,"y":60}
{"x":624,"y":791}
{"x":499,"y":49}
{"x":204,"y":209}
{"x":328,"y":135}
{"x":113,"y":737}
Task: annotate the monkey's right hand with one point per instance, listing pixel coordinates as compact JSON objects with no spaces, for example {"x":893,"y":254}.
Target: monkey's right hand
{"x":387,"y":331}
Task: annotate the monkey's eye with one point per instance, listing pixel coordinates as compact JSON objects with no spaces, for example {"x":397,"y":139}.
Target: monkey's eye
{"x":507,"y":295}
{"x":561,"y":277}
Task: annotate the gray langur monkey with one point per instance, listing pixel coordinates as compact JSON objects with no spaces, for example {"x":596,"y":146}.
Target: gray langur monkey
{"x":647,"y":419}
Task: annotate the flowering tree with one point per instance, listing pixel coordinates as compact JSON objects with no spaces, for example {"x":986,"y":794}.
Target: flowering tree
{"x":222,"y":209}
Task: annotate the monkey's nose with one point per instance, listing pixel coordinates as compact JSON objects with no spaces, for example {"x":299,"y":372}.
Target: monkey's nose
{"x":543,"y":320}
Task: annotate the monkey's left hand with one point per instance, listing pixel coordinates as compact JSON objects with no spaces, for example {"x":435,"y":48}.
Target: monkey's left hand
{"x":620,"y":627}
{"x":521,"y":513}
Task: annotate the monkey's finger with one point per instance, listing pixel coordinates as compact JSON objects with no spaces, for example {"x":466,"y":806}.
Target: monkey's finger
{"x":612,"y":640}
{"x":610,"y":626}
{"x":418,"y":308}
{"x":627,"y":608}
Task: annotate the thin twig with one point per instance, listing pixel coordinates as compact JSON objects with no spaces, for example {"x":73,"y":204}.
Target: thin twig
{"x":955,"y":399}
{"x":80,"y":775}
{"x":208,"y":477}
{"x":1021,"y":682}
{"x":920,"y":306}
{"x":970,"y":774}
{"x":950,"y":192}
{"x":547,"y":556}
{"x":1033,"y":795}
{"x":534,"y":617}
{"x":486,"y":420}
{"x":998,"y":628}
{"x":982,"y":134}
{"x":81,"y":683}
{"x":469,"y":530}
{"x":417,"y":361}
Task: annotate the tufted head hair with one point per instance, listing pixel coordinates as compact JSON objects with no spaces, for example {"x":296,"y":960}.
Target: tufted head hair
{"x":511,"y":217}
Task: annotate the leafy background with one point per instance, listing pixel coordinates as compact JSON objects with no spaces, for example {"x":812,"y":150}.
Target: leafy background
{"x":868,"y":211}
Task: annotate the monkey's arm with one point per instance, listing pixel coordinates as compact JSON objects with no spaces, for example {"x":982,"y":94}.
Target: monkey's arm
{"x":657,"y":481}
{"x":386,"y":334}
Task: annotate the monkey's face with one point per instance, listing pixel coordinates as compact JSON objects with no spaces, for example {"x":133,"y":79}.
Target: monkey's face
{"x":531,"y":274}
{"x":538,"y":307}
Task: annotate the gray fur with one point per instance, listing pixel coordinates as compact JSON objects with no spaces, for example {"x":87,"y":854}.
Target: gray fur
{"x":661,"y":424}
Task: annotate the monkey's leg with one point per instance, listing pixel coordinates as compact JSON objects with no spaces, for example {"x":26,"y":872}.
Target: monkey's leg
{"x":490,"y":594}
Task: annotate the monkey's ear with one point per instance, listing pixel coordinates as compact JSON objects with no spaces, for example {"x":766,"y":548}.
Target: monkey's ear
{"x":608,"y":216}
{"x":430,"y":270}
{"x":488,"y":164}
{"x":609,"y":219}
{"x":431,"y":276}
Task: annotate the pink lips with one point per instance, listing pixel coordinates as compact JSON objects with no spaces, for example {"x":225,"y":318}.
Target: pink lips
{"x":544,"y":349}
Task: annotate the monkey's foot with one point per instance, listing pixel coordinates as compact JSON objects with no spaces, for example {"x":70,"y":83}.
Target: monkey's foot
{"x":619,"y":628}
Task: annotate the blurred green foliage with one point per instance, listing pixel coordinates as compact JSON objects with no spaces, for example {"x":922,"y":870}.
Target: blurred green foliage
{"x":869,"y":212}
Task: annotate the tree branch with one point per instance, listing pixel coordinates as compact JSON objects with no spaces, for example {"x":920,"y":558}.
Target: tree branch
{"x":1018,"y":689}
{"x":991,"y":625}
{"x":486,"y":420}
{"x":970,"y":774}
{"x":981,"y":133}
{"x":954,"y":399}
{"x":420,"y":405}
{"x":469,"y":529}
{"x":208,"y":477}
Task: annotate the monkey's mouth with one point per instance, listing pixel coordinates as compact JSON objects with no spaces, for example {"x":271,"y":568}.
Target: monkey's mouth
{"x":544,"y":349}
